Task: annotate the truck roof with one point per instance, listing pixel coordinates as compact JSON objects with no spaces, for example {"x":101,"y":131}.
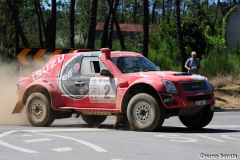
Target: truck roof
{"x":114,"y":53}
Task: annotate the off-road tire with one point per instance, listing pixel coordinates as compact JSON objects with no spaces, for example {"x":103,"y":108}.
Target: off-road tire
{"x":93,"y":119}
{"x":144,"y":113}
{"x":35,"y":102}
{"x":199,"y":120}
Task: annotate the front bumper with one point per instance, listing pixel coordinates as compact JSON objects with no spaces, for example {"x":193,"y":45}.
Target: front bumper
{"x":171,"y":101}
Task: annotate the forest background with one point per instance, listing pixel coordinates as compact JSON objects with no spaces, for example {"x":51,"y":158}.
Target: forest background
{"x":70,"y":24}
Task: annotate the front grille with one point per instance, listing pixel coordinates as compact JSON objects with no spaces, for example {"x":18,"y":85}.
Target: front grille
{"x":193,"y":86}
{"x":197,"y":98}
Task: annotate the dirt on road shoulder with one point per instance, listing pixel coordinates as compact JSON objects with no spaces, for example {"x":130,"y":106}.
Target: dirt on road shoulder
{"x":228,"y":97}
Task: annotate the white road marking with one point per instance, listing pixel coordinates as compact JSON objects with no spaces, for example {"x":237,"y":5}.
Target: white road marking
{"x":65,"y":130}
{"x":26,"y":135}
{"x":16,"y":148}
{"x":207,"y":137}
{"x":223,"y":126}
{"x":177,"y":136}
{"x":62,"y":149}
{"x":12,"y":146}
{"x":226,"y":116}
{"x":226,"y":136}
{"x":7,"y":133}
{"x":93,"y":146}
{"x":36,"y":140}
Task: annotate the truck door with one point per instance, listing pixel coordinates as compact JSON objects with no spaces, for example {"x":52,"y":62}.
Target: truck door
{"x":66,"y":80}
{"x":94,"y":90}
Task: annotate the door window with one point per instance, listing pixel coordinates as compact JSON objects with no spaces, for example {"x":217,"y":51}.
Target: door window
{"x":91,"y":66}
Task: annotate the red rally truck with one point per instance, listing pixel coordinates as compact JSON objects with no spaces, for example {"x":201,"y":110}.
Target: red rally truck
{"x":97,"y":84}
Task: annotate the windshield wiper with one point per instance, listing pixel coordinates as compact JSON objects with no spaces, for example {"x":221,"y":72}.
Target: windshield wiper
{"x":137,"y":70}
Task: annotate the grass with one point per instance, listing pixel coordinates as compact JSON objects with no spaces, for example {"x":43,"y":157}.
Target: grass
{"x":223,"y":80}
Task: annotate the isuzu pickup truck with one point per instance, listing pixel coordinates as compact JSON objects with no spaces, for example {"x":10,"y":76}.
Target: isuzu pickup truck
{"x":97,"y":84}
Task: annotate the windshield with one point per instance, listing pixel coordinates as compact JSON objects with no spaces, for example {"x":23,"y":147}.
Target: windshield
{"x":134,"y":64}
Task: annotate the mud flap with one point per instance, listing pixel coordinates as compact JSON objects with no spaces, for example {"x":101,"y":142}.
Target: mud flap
{"x":121,"y":119}
{"x":19,"y":107}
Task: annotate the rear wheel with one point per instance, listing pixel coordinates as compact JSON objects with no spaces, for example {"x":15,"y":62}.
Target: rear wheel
{"x":93,"y":119}
{"x":39,"y":112}
{"x":199,"y":120}
{"x":144,"y":113}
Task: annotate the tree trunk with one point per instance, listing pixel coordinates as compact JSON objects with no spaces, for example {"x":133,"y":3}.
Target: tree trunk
{"x":119,"y":33}
{"x":17,"y":33}
{"x":234,"y":1}
{"x":110,"y":28}
{"x":135,"y":11}
{"x":163,"y":10}
{"x":48,"y":33}
{"x":215,"y":18}
{"x":92,"y":26}
{"x":15,"y":17}
{"x":110,"y":31}
{"x":184,"y":6}
{"x":179,"y":34}
{"x":153,"y":12}
{"x":42,"y":20}
{"x":221,"y":7}
{"x":53,"y":21}
{"x":145,"y":28}
{"x":72,"y":24}
{"x":39,"y":23}
{"x":106,"y":24}
{"x":122,"y":12}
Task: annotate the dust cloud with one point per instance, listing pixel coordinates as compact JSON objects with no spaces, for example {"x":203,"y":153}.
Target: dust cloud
{"x":9,"y":97}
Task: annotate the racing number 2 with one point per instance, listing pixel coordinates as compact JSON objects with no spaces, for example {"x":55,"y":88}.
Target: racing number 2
{"x":107,"y":87}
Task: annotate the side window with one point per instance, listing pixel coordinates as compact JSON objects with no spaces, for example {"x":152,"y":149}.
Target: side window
{"x":91,"y":66}
{"x":95,"y":66}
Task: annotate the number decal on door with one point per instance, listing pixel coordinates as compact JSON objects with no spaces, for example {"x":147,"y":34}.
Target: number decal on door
{"x":107,"y":87}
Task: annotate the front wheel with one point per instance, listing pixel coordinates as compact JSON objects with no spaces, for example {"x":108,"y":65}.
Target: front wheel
{"x":199,"y":120}
{"x":93,"y":119}
{"x":144,"y":113}
{"x":39,"y":112}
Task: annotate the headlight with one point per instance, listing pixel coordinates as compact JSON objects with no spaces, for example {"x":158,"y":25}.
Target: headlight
{"x":209,"y":84}
{"x":170,"y":86}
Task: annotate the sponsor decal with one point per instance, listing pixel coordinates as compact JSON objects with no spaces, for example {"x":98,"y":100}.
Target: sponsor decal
{"x":82,"y":90}
{"x":119,"y":91}
{"x":107,"y":80}
{"x":94,"y":81}
{"x":94,"y":92}
{"x":100,"y":80}
{"x":71,"y":72}
{"x":195,"y":86}
{"x":39,"y":74}
{"x":94,"y":97}
{"x":168,"y":100}
{"x":76,"y":67}
{"x":123,"y":55}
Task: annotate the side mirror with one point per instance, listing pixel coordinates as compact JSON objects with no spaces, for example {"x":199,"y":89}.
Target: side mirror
{"x":106,"y":72}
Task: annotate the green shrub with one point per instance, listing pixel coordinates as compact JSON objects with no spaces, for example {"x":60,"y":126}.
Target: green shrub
{"x":220,"y":62}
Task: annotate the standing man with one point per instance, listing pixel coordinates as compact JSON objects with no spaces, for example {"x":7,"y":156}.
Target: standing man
{"x":193,"y":64}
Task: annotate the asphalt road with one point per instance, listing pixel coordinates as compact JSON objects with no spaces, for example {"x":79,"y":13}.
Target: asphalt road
{"x":73,"y":139}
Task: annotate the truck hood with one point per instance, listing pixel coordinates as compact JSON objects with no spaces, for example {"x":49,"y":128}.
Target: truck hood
{"x":171,"y":76}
